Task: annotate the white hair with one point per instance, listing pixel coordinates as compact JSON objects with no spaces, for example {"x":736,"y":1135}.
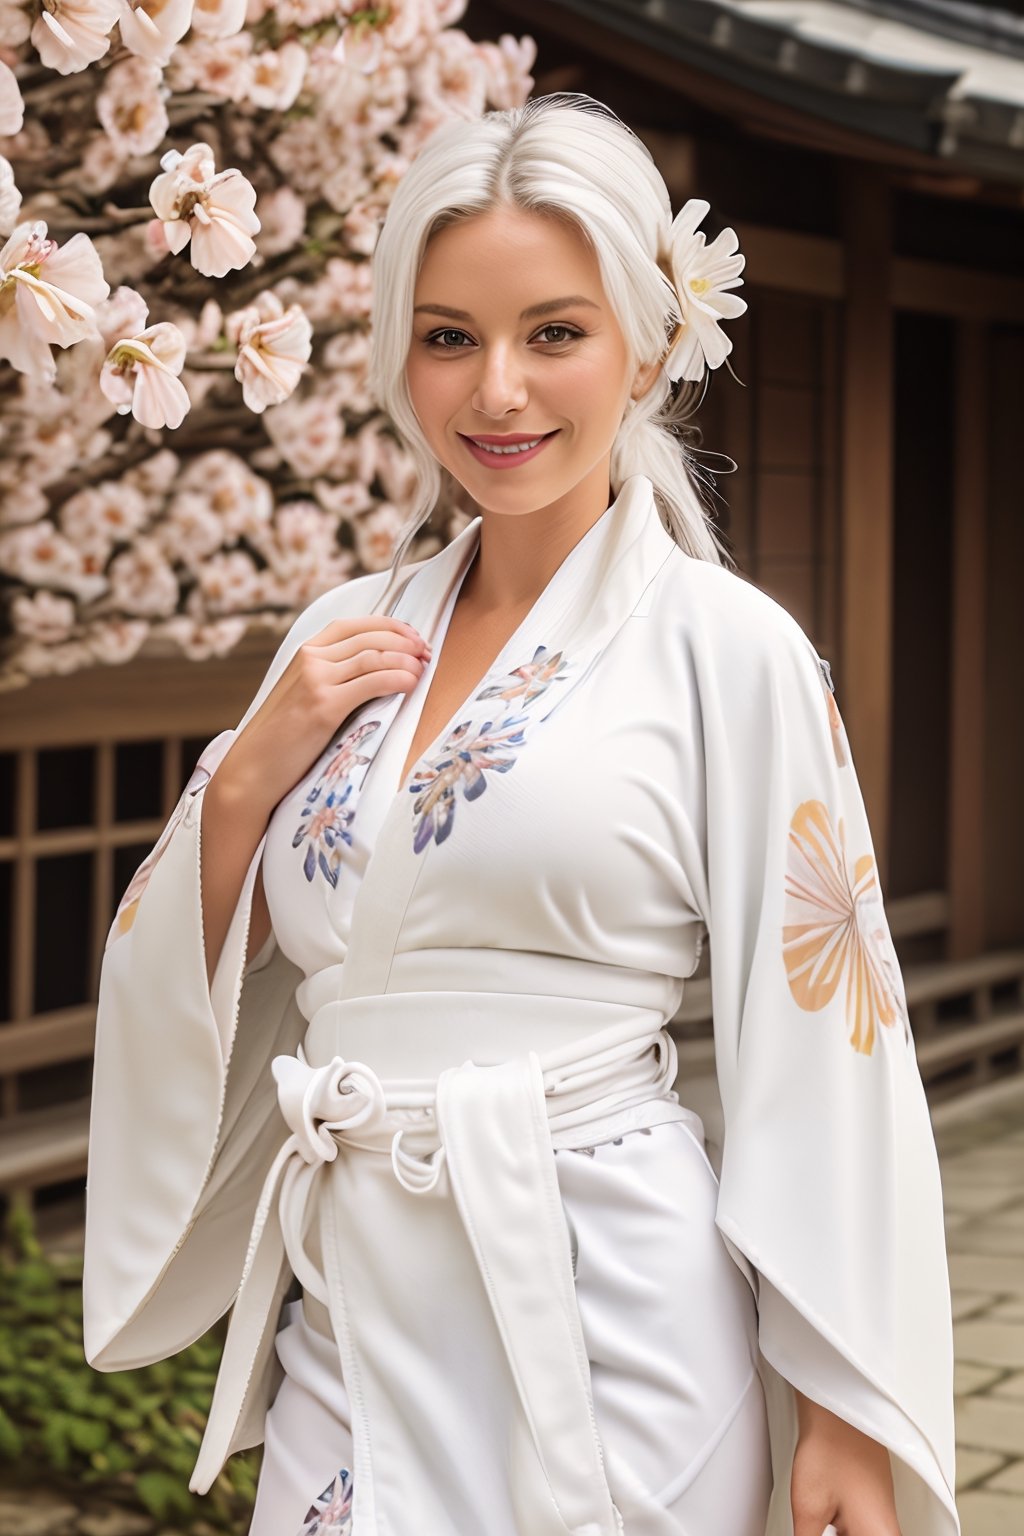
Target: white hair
{"x":568,"y":156}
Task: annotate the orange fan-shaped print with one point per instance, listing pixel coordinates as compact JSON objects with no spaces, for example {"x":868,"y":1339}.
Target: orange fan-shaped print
{"x":835,"y":934}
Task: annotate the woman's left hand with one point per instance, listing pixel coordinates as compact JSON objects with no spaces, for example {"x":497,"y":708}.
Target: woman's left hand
{"x":840,"y":1477}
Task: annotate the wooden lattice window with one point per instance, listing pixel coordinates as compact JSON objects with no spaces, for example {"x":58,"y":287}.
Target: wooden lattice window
{"x":91,"y":766}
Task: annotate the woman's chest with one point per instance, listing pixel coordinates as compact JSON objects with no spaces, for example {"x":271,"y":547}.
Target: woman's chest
{"x":557,"y":814}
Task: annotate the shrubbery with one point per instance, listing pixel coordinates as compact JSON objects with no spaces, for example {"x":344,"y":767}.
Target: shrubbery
{"x":129,"y":1435}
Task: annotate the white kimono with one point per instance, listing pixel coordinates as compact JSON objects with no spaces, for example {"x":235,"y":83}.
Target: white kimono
{"x":468,"y":981}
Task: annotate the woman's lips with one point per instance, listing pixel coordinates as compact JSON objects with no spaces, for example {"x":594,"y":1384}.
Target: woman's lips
{"x":506,"y":460}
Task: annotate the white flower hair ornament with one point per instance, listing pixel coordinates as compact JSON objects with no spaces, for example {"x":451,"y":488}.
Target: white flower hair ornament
{"x":700,"y":276}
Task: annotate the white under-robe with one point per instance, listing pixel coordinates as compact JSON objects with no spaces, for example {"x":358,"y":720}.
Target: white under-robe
{"x":468,"y":982}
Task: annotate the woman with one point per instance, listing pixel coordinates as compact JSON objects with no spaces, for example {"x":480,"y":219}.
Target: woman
{"x":444,"y":946}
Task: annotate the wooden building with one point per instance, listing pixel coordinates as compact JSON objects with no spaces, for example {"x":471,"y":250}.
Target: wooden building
{"x":871,"y":159}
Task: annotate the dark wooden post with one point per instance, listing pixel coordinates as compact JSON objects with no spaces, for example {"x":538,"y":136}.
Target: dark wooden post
{"x":866,"y":491}
{"x":967,"y":702}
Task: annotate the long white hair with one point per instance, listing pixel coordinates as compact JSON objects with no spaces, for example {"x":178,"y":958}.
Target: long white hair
{"x":569,"y":156}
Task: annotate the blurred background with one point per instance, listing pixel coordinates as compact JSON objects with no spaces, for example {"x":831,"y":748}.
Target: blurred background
{"x":870,"y":157}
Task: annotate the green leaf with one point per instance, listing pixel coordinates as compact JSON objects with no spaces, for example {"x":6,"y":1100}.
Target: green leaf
{"x":11,"y":1440}
{"x":163,"y":1495}
{"x":88,"y":1435}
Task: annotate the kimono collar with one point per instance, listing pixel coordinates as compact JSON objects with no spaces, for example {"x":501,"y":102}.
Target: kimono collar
{"x":596,"y":587}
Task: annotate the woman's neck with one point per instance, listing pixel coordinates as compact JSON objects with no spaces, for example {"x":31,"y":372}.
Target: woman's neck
{"x":518,"y":555}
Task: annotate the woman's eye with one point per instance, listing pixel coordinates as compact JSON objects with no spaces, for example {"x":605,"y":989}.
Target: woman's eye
{"x":434,"y":340}
{"x":569,"y":332}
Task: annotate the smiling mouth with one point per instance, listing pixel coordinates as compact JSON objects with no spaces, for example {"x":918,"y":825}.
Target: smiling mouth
{"x":510,"y":450}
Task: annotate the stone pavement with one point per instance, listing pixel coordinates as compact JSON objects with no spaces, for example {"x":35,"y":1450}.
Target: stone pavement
{"x":981,"y":1149}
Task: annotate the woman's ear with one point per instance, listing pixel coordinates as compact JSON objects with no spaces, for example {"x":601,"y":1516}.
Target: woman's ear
{"x":644,"y":379}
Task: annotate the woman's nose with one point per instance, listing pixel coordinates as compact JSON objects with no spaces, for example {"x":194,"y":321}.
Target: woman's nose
{"x":501,"y":386}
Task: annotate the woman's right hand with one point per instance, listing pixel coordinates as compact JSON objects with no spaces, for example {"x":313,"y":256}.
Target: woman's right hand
{"x":342,"y":667}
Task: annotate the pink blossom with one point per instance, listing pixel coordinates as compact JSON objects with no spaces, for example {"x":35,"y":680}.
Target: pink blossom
{"x":362,"y":226}
{"x":375,"y":535}
{"x":141,"y":375}
{"x":36,"y":660}
{"x":274,"y":345}
{"x":301,"y":14}
{"x":452,"y":75}
{"x":395,"y":469}
{"x":12,"y":108}
{"x":405,"y":25}
{"x":227,"y":581}
{"x":343,"y":500}
{"x":114,"y":641}
{"x":282,"y":215}
{"x":303,"y":553}
{"x":10,"y":198}
{"x":191,"y":531}
{"x":156,"y":239}
{"x":308,"y":433}
{"x":101,"y":516}
{"x":447,"y":12}
{"x":22,"y":502}
{"x":216,"y":638}
{"x":15,"y":24}
{"x":153,"y":476}
{"x":131,"y":104}
{"x":221,"y":66}
{"x":342,"y":292}
{"x":277,"y":75}
{"x":101,"y":164}
{"x":151,"y":28}
{"x":142,"y":582}
{"x":204,"y":332}
{"x":124,"y":313}
{"x":47,"y":294}
{"x":360,"y":47}
{"x":219,"y":18}
{"x":243,"y":501}
{"x":43,"y":616}
{"x":213,"y":209}
{"x":41,"y":557}
{"x":70,"y":34}
{"x":507,"y":66}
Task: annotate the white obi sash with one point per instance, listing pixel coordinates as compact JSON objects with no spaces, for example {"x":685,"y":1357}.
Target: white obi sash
{"x":481,"y":1139}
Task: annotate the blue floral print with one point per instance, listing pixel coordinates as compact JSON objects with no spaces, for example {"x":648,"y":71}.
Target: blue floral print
{"x":469,"y":750}
{"x":325,"y":827}
{"x":331,"y":1513}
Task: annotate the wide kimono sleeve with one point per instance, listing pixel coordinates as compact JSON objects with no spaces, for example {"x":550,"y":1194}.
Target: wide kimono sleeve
{"x":830,"y":1185}
{"x":184,"y":1121}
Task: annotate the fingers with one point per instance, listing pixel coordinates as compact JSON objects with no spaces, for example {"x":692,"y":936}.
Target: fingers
{"x":344,"y":629}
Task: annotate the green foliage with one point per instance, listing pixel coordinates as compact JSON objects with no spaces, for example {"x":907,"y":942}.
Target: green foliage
{"x":131,"y":1436}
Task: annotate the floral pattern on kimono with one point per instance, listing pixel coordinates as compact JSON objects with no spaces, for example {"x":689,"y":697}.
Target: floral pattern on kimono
{"x":326,"y":822}
{"x":835,"y":929}
{"x":127,"y":907}
{"x":462,"y":760}
{"x":331,"y":1513}
{"x":464,"y":757}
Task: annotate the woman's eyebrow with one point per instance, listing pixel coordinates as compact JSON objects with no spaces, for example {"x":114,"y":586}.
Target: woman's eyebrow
{"x":548,"y":307}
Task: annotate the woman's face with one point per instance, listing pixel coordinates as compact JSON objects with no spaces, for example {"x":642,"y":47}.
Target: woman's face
{"x":494,"y":356}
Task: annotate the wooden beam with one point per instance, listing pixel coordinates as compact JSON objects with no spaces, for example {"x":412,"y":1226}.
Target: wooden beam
{"x":865,"y":681}
{"x":967,"y":711}
{"x":156,"y":694}
{"x":790,"y":261}
{"x":968,"y":293}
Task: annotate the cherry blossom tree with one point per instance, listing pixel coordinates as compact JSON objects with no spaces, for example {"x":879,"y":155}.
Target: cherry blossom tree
{"x":190,"y":191}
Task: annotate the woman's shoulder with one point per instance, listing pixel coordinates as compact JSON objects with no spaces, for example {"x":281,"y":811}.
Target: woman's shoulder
{"x":712,"y":605}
